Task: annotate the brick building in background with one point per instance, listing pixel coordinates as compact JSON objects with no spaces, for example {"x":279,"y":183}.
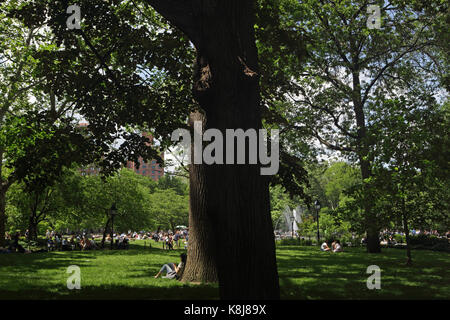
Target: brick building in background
{"x":149,"y":169}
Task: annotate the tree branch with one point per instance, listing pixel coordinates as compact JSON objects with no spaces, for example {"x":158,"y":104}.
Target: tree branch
{"x":330,"y":145}
{"x":179,"y":13}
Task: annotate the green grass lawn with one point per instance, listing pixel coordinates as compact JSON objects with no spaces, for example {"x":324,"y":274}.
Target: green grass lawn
{"x":305,"y":273}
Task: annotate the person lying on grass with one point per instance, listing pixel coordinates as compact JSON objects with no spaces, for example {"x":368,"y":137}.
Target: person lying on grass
{"x":172,"y":270}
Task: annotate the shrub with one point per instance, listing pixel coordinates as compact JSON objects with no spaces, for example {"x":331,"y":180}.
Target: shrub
{"x":305,"y":242}
{"x":441,"y":247}
{"x":289,"y":242}
{"x":430,"y":242}
{"x":294,"y":242}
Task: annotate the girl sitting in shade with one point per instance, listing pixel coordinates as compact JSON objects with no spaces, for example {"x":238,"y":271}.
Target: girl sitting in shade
{"x":172,"y":270}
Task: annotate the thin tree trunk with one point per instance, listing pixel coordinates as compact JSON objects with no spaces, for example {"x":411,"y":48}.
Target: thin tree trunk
{"x":2,"y":215}
{"x":372,"y":230}
{"x":230,"y":209}
{"x":104,"y":232}
{"x":3,"y":189}
{"x":172,"y":225}
{"x":33,"y":219}
{"x":406,"y":230}
{"x":32,"y":227}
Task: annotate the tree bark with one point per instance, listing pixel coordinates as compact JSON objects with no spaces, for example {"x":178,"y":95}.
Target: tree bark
{"x":3,"y":189}
{"x":372,"y":230}
{"x":104,"y":232}
{"x":232,"y":201}
{"x":32,"y":227}
{"x":406,"y":230}
{"x":2,"y":214}
{"x":230,"y":225}
{"x":201,"y":257}
{"x":172,"y":225}
{"x":33,"y":218}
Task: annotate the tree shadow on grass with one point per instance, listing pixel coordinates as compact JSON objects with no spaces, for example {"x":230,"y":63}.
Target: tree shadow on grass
{"x":47,"y":260}
{"x":115,"y":292}
{"x":305,"y":273}
{"x":43,"y":276}
{"x":308,"y":274}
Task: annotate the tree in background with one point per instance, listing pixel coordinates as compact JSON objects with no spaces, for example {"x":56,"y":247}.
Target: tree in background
{"x":78,"y":202}
{"x":169,"y":209}
{"x":111,"y":62}
{"x":39,"y":134}
{"x":279,"y":201}
{"x":411,"y":158}
{"x":349,"y":66}
{"x":128,"y":70}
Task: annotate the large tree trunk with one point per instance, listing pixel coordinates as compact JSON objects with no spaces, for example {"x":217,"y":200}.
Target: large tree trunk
{"x":232,"y":200}
{"x":201,"y":258}
{"x":230,"y":224}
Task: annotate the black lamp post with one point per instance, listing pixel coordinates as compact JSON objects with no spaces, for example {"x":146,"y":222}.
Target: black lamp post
{"x":112,"y":212}
{"x":317,"y":205}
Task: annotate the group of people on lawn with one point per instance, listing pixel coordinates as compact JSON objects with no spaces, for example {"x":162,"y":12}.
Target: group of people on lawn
{"x":169,"y":239}
{"x":14,"y":245}
{"x":56,"y":241}
{"x":335,"y":246}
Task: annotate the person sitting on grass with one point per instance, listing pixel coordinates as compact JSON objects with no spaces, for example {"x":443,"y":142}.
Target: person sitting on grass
{"x":172,"y":270}
{"x":325,"y":247}
{"x":337,"y":246}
